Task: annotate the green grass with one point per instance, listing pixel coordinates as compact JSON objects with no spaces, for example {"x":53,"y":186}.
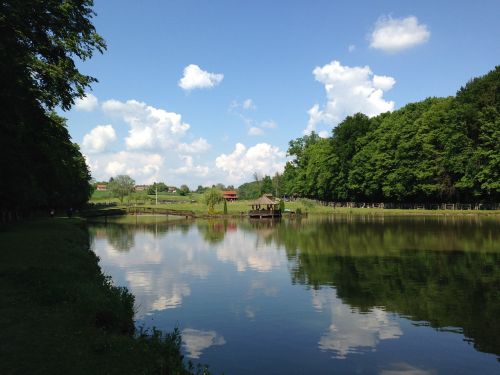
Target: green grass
{"x":242,"y":207}
{"x":194,"y":202}
{"x":60,"y":315}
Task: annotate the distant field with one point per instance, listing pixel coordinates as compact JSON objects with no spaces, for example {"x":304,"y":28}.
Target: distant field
{"x":106,"y":196}
{"x":194,"y":202}
{"x":99,"y":196}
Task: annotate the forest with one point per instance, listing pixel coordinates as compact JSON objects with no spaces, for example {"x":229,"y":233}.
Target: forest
{"x":436,"y":150}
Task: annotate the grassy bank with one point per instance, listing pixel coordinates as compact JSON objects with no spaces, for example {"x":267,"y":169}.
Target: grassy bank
{"x":195,"y":203}
{"x":60,"y":315}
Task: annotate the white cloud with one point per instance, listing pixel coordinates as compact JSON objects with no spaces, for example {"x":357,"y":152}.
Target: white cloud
{"x":268,"y":124}
{"x":255,"y":131}
{"x":114,"y":168}
{"x":393,"y":35}
{"x":143,"y":167}
{"x":196,"y":78}
{"x":198,"y":146}
{"x":189,"y":168}
{"x":351,"y":47}
{"x":248,"y":104}
{"x":88,"y":103}
{"x":349,"y":90}
{"x":150,"y":127}
{"x":243,"y":162}
{"x":99,"y":138}
{"x":383,"y":82}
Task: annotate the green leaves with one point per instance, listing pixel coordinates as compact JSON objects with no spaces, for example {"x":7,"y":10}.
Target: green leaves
{"x":439,"y":149}
{"x":212,"y":197}
{"x":121,"y":186}
{"x":40,"y":40}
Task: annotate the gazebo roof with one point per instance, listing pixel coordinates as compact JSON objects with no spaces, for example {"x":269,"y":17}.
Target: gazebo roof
{"x":264,"y":200}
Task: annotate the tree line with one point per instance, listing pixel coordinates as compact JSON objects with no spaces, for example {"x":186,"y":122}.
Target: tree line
{"x":435,"y":150}
{"x":40,"y":166}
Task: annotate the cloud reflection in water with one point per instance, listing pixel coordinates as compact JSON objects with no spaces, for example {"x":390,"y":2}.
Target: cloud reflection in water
{"x":351,"y":331}
{"x":195,"y":341}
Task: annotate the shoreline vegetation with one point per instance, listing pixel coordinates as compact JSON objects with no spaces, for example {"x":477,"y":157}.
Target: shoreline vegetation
{"x":61,"y":314}
{"x":106,"y":206}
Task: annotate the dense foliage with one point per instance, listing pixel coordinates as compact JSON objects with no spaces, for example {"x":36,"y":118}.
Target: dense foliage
{"x":39,"y":40}
{"x":264,"y":185}
{"x":157,"y":187}
{"x":436,"y":150}
{"x":121,"y":186}
{"x":212,"y":197}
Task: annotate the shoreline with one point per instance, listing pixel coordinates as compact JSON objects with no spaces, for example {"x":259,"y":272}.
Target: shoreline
{"x":61,"y":314}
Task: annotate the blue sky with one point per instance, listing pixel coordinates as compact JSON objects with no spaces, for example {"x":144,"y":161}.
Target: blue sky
{"x":201,"y":92}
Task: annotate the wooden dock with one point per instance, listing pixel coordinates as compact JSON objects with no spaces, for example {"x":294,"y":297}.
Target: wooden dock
{"x":263,"y":214}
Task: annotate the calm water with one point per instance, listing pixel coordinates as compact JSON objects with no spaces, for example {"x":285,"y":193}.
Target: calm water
{"x":338,"y":295}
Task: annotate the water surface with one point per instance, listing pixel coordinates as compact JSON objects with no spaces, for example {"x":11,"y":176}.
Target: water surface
{"x":344,"y":294}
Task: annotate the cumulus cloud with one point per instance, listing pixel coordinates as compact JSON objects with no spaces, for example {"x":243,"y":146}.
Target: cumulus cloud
{"x":154,"y":147}
{"x":383,"y":82}
{"x":396,"y":34}
{"x":349,"y":90}
{"x":88,"y":103}
{"x":198,"y":146}
{"x":189,"y":168}
{"x":243,"y":162}
{"x":143,"y":167}
{"x":196,"y":78}
{"x":150,"y":127}
{"x":99,"y":138}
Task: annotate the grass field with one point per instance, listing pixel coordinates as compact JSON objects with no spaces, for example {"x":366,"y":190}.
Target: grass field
{"x":194,"y":202}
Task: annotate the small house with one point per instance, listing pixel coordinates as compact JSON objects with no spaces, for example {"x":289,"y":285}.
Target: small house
{"x":101,"y":187}
{"x":230,"y":195}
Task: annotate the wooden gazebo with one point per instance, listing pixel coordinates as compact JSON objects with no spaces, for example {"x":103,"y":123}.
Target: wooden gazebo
{"x":264,"y":207}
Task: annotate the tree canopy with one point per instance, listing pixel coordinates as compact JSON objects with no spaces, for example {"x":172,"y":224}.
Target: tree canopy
{"x":212,"y":197}
{"x":436,"y":150}
{"x":40,"y":42}
{"x":121,"y":186}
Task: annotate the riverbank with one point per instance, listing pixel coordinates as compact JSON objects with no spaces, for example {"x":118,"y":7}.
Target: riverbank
{"x":240,"y":209}
{"x":60,"y":315}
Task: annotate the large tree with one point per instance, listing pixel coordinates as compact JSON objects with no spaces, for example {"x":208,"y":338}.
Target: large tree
{"x":121,"y":186}
{"x":40,"y":43}
{"x":212,"y":197}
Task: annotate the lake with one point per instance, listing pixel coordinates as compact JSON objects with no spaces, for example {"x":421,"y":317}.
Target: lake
{"x":332,"y":295}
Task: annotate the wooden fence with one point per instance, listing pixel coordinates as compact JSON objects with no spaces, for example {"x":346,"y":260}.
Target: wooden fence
{"x":414,"y":206}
